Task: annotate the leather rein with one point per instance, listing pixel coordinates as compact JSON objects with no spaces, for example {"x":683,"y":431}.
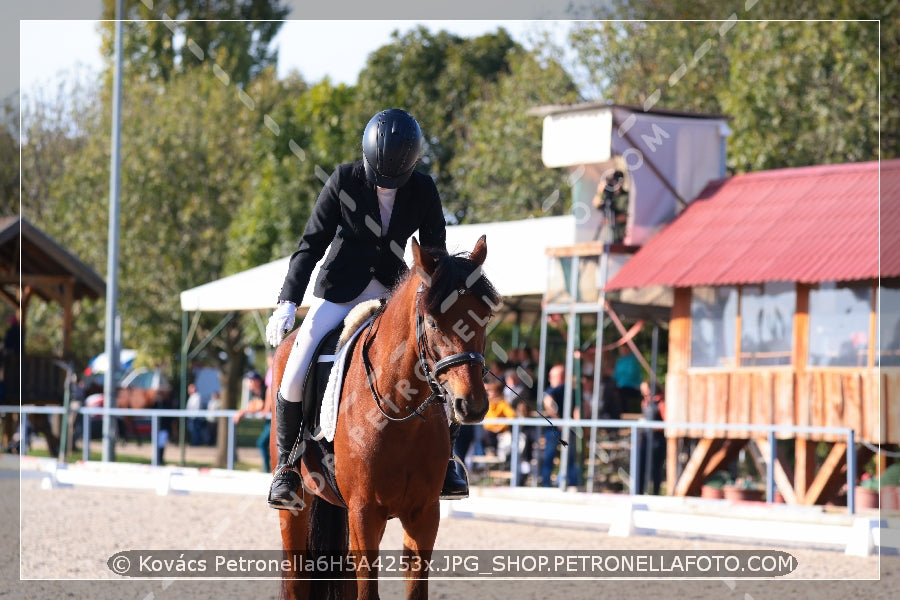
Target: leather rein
{"x":438,"y":391}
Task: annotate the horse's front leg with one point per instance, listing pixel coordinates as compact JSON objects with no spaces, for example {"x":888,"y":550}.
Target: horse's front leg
{"x":419,"y":533}
{"x":294,"y":585}
{"x":366,"y":531}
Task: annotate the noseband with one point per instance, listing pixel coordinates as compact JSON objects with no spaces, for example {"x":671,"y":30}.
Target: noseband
{"x":438,"y":391}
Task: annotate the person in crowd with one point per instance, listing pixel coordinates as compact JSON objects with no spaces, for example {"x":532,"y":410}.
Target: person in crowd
{"x":553,"y":408}
{"x":498,"y":408}
{"x":628,"y":376}
{"x":651,"y":442}
{"x":259,"y":405}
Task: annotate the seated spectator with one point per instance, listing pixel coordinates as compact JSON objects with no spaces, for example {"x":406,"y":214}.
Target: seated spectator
{"x":498,"y":409}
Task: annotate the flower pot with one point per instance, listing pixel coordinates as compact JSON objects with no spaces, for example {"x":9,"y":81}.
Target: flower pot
{"x":889,"y":496}
{"x":715,"y":493}
{"x":866,"y":498}
{"x":741,"y":494}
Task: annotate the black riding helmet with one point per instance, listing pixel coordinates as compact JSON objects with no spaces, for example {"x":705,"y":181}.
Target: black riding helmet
{"x":391,"y":146}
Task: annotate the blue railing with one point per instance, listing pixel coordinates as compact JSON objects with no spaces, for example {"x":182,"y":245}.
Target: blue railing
{"x":635,"y":426}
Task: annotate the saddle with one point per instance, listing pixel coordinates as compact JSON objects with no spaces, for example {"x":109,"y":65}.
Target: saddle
{"x":317,"y":454}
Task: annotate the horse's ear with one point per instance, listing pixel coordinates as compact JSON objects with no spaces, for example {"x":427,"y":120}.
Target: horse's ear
{"x":422,"y":260}
{"x":479,"y":253}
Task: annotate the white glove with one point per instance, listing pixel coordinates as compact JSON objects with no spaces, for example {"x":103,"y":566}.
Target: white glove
{"x":281,"y":321}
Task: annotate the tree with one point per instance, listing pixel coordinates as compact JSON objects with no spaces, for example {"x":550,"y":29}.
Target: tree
{"x":170,"y":36}
{"x":799,"y":93}
{"x":802,"y":94}
{"x":435,"y":76}
{"x":9,"y":156}
{"x":499,"y":162}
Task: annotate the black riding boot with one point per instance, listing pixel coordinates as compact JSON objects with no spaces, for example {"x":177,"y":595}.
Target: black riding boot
{"x":456,"y":481}
{"x":284,"y":493}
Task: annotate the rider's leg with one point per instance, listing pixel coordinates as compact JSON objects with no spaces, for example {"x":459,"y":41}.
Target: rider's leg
{"x":456,"y":484}
{"x":323,"y":316}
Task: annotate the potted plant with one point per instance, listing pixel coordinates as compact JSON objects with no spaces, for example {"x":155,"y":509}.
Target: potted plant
{"x":744,"y":489}
{"x":889,"y":488}
{"x":867,"y":492}
{"x":712,"y":487}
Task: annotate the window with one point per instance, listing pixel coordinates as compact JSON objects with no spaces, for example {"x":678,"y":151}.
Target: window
{"x":839,"y":324}
{"x":767,"y":323}
{"x":713,"y":316}
{"x":889,"y":322}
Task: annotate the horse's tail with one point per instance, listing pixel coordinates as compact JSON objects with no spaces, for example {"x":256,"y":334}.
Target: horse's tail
{"x":328,"y":537}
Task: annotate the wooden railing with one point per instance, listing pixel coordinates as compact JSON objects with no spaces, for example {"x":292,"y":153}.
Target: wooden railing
{"x":866,"y":400}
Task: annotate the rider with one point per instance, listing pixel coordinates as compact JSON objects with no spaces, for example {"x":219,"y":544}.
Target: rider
{"x":367,"y":211}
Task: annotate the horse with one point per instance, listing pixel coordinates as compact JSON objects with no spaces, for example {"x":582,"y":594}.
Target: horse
{"x":421,"y":358}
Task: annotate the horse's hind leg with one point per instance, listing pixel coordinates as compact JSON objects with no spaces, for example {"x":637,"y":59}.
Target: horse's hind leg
{"x":419,"y":533}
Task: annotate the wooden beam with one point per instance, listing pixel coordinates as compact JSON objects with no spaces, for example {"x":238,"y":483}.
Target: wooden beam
{"x":671,"y":465}
{"x":691,"y":479}
{"x":801,"y":329}
{"x":804,"y":466}
{"x":759,"y":450}
{"x":726,"y":453}
{"x":827,"y":480}
{"x":30,"y":279}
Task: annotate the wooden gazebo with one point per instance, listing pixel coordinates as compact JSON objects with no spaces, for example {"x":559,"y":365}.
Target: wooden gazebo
{"x":34,"y":265}
{"x":777,"y":280}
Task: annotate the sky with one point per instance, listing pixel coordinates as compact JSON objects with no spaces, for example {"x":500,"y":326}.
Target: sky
{"x":52,"y":50}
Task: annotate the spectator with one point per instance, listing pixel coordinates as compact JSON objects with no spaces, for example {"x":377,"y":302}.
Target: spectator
{"x":164,"y":428}
{"x":653,"y":408}
{"x":516,"y":388}
{"x":527,"y":440}
{"x":498,"y":409}
{"x":553,"y":407}
{"x":610,"y":398}
{"x":259,"y":404}
{"x":212,"y":426}
{"x":197,"y":426}
{"x":628,"y":376}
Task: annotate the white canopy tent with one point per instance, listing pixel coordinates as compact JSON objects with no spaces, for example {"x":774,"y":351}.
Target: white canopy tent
{"x":516,"y":264}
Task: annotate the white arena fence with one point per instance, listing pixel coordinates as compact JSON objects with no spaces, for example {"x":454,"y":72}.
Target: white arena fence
{"x":623,"y":514}
{"x":516,"y":425}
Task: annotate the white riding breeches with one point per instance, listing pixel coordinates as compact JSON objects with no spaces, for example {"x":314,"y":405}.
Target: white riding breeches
{"x":323,"y":316}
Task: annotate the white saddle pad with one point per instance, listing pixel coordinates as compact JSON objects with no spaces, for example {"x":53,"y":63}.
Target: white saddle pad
{"x":331,"y":400}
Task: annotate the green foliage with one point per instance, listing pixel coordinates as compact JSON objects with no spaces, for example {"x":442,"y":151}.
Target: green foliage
{"x":501,"y":173}
{"x":220,"y":167}
{"x":799,"y":93}
{"x":166,"y":37}
{"x":802,"y":94}
{"x":719,"y":479}
{"x":9,"y":157}
{"x":458,"y":90}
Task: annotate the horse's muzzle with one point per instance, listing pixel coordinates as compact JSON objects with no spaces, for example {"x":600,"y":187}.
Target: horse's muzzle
{"x":469,"y":409}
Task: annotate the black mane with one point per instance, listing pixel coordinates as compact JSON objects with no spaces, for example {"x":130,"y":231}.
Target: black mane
{"x":451,"y":274}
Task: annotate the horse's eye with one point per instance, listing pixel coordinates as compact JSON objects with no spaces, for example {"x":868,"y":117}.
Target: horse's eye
{"x":432,"y":324}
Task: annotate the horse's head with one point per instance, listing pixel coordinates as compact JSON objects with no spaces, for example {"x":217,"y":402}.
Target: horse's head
{"x":454,"y":306}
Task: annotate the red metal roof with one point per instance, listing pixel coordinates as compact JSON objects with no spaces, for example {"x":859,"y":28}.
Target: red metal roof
{"x":806,"y":224}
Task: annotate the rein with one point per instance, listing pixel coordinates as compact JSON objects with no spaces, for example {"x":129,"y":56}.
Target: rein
{"x":537,"y":409}
{"x":438,"y":391}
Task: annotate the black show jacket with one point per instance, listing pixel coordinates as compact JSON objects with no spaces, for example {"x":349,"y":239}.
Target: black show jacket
{"x":346,"y":215}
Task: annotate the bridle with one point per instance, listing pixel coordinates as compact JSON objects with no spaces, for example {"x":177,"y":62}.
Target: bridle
{"x":439,"y":392}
